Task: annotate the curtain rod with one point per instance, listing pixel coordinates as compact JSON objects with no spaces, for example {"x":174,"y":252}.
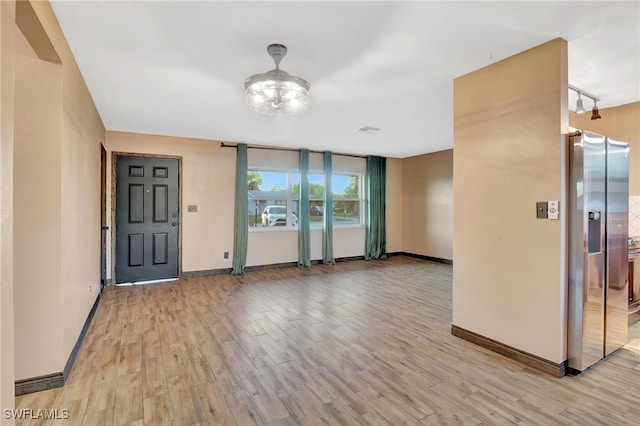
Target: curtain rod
{"x":266,"y":148}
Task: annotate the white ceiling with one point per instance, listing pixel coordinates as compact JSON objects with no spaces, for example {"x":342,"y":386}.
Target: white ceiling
{"x":177,"y":68}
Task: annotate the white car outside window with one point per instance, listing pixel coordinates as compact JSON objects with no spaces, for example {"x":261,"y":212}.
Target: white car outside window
{"x":277,"y":216}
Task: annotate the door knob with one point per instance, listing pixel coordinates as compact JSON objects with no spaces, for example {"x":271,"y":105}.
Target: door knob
{"x":174,"y":223}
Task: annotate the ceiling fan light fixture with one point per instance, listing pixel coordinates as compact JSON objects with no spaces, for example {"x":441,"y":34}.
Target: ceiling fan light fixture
{"x":276,"y":92}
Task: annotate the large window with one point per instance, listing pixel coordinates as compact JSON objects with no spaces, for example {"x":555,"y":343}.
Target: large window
{"x":274,"y":199}
{"x":270,"y":199}
{"x":347,"y":199}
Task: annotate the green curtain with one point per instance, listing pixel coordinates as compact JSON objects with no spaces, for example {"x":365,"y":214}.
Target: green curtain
{"x":375,"y":237}
{"x":241,"y":224}
{"x":304,"y":246}
{"x":327,"y":218}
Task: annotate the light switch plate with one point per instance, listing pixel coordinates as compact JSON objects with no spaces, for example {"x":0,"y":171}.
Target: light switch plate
{"x":541,"y":210}
{"x":553,"y":210}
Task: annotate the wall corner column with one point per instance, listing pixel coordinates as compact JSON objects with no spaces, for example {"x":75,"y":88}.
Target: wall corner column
{"x":7,"y":72}
{"x":510,"y":268}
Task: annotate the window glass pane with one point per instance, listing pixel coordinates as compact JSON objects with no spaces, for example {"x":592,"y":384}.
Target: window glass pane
{"x":346,"y":212}
{"x":274,"y":182}
{"x":267,"y":185}
{"x":316,"y":187}
{"x":274,"y":199}
{"x":268,"y":213}
{"x":316,"y":212}
{"x":295,"y":185}
{"x":345,"y":186}
{"x":267,"y":198}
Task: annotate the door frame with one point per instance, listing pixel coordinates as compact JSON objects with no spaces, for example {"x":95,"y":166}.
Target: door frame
{"x":114,"y":181}
{"x":103,"y":217}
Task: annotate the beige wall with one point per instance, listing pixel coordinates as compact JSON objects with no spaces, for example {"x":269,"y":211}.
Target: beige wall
{"x":509,"y":280}
{"x":394,"y":204}
{"x":427,"y":204}
{"x":426,"y":185}
{"x":57,"y":234}
{"x":38,"y":206}
{"x":7,"y":65}
{"x":208,"y":174}
{"x":622,"y":123}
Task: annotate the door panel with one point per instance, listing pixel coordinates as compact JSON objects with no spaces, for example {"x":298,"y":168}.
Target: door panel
{"x":136,"y":203}
{"x":594,"y":205}
{"x":616,"y":323}
{"x":136,"y":249}
{"x":160,"y":206}
{"x":147,"y":218}
{"x":160,"y":249}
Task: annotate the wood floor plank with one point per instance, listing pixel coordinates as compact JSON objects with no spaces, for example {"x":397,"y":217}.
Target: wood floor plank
{"x":154,"y":380}
{"x":332,"y":414}
{"x":185,"y":402}
{"x":243,"y":409}
{"x":102,"y":395}
{"x":226,"y":376}
{"x":393,"y":412}
{"x":302,"y":410}
{"x":372,"y":419}
{"x":359,"y":342}
{"x":312,"y":391}
{"x":76,"y":413}
{"x":128,"y":404}
{"x":130,"y":358}
{"x":265,"y":398}
{"x":157,"y":410}
{"x":215,"y":408}
{"x":273,"y":348}
{"x":340,"y":392}
{"x":633,"y":414}
{"x":578,"y":416}
{"x":104,"y":417}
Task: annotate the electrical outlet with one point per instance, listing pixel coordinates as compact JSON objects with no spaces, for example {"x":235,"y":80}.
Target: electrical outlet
{"x":226,"y":254}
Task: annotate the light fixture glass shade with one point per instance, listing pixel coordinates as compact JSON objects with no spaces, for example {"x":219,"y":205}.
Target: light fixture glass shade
{"x":579,"y":106}
{"x":595,"y":114}
{"x":276,"y":92}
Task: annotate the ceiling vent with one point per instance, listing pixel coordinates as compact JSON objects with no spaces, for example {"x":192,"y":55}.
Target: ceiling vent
{"x":368,"y":129}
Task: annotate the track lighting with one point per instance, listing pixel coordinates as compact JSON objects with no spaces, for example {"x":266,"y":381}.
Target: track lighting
{"x":595,"y":114}
{"x":579,"y":107}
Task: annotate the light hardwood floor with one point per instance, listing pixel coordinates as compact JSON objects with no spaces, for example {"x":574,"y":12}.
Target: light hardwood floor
{"x":357,"y":343}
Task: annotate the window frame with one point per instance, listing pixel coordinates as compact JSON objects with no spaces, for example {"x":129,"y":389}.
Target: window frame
{"x":290,"y":200}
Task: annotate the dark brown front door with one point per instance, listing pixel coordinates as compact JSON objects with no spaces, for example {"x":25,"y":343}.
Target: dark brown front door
{"x":147,"y":218}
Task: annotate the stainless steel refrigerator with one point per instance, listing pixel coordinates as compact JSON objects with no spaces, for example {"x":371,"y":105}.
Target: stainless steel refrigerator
{"x":598,"y":229}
